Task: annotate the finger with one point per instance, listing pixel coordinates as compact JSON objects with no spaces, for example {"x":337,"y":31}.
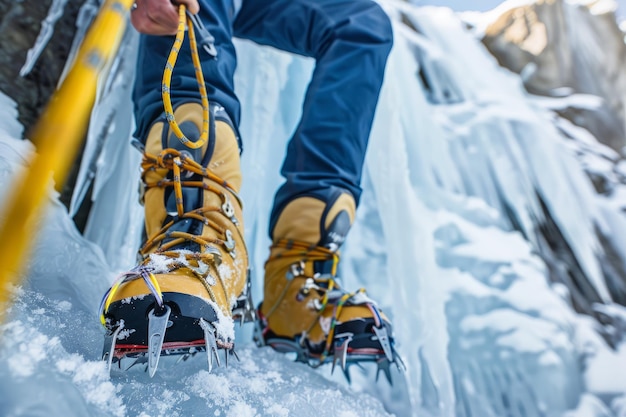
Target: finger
{"x":144,"y":24}
{"x":192,"y":5}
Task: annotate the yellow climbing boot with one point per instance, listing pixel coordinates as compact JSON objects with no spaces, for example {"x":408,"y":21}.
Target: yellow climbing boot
{"x":304,"y":308}
{"x":191,"y":281}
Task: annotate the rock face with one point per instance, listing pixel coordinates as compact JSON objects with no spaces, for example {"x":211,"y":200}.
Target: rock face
{"x":19,"y":27}
{"x":544,"y":42}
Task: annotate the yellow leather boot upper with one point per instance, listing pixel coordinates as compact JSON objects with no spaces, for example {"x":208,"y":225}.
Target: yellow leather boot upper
{"x":295,"y":300}
{"x":215,"y":269}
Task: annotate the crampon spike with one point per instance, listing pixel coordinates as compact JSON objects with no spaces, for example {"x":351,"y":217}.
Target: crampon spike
{"x":341,"y":352}
{"x":383,"y":339}
{"x":346,"y":373}
{"x":384,"y":365}
{"x":142,"y":360}
{"x":157,"y":325}
{"x":111,"y":339}
{"x":183,"y":358}
{"x":245,"y":311}
{"x":257,"y":334}
{"x":211,"y":344}
{"x":399,"y":362}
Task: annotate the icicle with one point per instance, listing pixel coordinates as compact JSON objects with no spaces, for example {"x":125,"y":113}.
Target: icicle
{"x":45,"y":34}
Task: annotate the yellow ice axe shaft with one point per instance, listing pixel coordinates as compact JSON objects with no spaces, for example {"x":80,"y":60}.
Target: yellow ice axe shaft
{"x":57,"y":137}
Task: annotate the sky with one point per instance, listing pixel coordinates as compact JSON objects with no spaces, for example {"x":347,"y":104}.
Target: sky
{"x":483,"y":5}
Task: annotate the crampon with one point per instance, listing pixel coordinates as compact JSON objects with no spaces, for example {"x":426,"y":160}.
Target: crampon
{"x":169,"y":324}
{"x":355,"y":342}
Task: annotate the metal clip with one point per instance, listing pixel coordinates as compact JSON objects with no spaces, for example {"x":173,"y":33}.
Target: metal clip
{"x":227,"y":208}
{"x":230,"y":243}
{"x":295,"y":270}
{"x":309,"y":285}
{"x":205,"y":39}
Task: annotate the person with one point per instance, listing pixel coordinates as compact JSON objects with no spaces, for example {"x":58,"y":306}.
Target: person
{"x":192,"y":276}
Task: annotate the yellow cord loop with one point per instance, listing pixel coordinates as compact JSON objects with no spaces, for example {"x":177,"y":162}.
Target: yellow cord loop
{"x":167,"y":80}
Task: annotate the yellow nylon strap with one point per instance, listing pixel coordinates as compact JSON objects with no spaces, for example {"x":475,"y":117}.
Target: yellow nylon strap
{"x":122,"y":278}
{"x":178,"y":188}
{"x":107,"y":302}
{"x":167,"y":80}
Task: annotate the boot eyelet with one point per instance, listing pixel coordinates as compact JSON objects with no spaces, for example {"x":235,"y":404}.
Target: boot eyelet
{"x":230,"y":242}
{"x":229,"y":211}
{"x":295,"y":270}
{"x":227,"y":208}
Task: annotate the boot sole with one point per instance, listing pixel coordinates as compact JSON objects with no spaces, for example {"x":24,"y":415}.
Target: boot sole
{"x":183,"y":326}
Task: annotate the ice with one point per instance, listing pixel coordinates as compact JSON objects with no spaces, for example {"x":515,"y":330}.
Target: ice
{"x":108,"y":151}
{"x":86,"y":14}
{"x":581,"y":101}
{"x":597,"y":7}
{"x":619,"y":406}
{"x":10,"y":127}
{"x":47,"y":30}
{"x":589,"y":406}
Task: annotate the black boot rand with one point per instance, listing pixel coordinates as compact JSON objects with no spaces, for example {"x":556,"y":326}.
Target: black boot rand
{"x":192,"y":278}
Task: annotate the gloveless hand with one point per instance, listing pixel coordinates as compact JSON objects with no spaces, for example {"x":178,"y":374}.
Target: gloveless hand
{"x":159,"y":17}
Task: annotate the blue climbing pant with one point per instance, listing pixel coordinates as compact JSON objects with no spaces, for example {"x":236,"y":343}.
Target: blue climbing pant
{"x":350,"y":41}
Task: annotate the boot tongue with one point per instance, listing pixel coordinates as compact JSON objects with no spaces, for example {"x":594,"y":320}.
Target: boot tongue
{"x":191,"y":132}
{"x":335,"y":234}
{"x":332,"y":238}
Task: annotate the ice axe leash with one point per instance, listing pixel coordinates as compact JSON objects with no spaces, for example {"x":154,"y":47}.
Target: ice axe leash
{"x":57,"y":137}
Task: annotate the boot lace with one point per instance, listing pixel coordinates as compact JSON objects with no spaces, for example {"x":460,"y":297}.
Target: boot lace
{"x":325,"y":284}
{"x":158,"y":253}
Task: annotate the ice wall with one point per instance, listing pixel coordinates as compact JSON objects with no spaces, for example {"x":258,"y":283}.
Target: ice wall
{"x":464,"y":172}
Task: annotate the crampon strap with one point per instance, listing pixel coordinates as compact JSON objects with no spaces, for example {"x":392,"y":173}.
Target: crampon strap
{"x":136,"y":273}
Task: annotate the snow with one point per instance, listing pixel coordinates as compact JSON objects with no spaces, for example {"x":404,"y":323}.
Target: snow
{"x":459,"y":175}
{"x":10,"y":127}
